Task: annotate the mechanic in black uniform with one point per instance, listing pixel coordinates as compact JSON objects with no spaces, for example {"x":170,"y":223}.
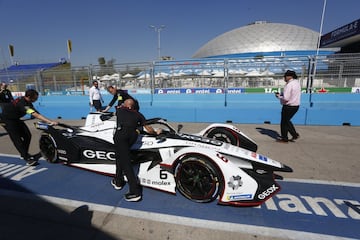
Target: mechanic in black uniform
{"x":120,"y":96}
{"x":126,"y":134}
{"x":19,"y":133}
{"x":5,"y":94}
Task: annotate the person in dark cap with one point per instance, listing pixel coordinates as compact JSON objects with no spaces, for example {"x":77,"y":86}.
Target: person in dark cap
{"x":290,"y":101}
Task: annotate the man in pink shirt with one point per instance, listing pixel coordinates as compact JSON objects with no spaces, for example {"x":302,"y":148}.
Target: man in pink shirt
{"x":290,"y":101}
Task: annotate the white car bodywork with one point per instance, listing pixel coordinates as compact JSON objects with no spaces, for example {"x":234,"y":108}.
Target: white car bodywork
{"x":235,"y":169}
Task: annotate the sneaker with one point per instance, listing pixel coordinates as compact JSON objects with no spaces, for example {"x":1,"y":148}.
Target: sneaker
{"x":130,"y":197}
{"x":295,"y":138}
{"x":31,"y":162}
{"x":37,"y":156}
{"x":117,"y":186}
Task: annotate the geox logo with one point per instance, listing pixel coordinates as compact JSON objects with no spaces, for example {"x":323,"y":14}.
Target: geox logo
{"x":101,"y":155}
{"x":268,"y":192}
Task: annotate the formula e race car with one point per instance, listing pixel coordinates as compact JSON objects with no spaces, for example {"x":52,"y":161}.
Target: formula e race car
{"x":220,"y":162}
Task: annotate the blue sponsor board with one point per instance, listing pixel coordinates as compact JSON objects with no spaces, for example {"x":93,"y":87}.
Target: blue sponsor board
{"x":188,"y":90}
{"x":315,"y":208}
{"x":235,"y":90}
{"x":198,"y":90}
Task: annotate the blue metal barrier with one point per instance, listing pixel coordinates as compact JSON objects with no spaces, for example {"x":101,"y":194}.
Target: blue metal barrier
{"x":326,"y":109}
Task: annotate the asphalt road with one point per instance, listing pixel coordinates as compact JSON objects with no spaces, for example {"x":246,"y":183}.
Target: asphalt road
{"x":323,"y":153}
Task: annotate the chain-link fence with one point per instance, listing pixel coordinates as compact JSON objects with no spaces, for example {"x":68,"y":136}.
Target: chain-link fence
{"x":325,"y":71}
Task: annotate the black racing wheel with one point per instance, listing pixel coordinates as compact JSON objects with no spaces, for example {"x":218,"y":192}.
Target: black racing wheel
{"x":198,"y":179}
{"x":223,"y":135}
{"x":48,"y":148}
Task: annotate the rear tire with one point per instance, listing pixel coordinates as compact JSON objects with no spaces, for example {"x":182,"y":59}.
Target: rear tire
{"x":48,"y":148}
{"x":223,"y":135}
{"x":198,"y":179}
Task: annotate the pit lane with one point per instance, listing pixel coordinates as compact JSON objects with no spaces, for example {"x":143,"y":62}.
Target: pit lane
{"x":303,"y":209}
{"x":323,"y":204}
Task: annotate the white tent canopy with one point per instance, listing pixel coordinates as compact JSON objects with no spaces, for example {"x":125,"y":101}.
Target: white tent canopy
{"x":161,"y":75}
{"x":144,"y":76}
{"x":253,"y":73}
{"x":106,"y":77}
{"x":204,"y":73}
{"x":267,"y":73}
{"x":128,"y":75}
{"x":237,"y":71}
{"x":115,"y":76}
{"x":218,"y":73}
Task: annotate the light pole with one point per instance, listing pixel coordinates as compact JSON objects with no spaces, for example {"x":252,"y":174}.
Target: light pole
{"x":158,"y":30}
{"x":314,"y":65}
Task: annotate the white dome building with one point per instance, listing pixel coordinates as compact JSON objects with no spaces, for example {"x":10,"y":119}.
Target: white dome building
{"x":262,"y":38}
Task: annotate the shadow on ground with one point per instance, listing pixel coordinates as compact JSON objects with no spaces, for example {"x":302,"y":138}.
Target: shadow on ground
{"x":269,"y":132}
{"x":23,"y":215}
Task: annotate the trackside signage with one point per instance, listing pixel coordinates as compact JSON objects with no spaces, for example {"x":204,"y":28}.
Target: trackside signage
{"x":198,"y":90}
{"x":312,"y":205}
{"x":170,"y":91}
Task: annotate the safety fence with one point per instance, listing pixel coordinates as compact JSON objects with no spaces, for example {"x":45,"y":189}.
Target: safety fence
{"x":336,"y":73}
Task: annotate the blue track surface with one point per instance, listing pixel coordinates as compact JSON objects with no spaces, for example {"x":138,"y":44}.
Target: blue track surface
{"x":307,"y":207}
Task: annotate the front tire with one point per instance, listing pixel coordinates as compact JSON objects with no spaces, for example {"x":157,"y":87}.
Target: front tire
{"x":198,"y":179}
{"x":48,"y":148}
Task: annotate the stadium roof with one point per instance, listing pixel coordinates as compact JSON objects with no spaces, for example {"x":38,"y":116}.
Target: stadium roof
{"x":260,"y":37}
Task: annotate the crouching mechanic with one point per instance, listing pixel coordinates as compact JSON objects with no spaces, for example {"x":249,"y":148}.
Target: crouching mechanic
{"x":126,"y":134}
{"x":19,"y":133}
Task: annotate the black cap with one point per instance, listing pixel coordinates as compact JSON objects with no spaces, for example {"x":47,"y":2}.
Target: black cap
{"x":290,"y":73}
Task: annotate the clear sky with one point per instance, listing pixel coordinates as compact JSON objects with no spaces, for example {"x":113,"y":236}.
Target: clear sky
{"x":119,"y":29}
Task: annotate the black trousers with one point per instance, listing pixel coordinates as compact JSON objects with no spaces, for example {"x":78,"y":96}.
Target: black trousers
{"x":19,"y":134}
{"x":286,"y":125}
{"x":123,"y":140}
{"x":97,"y":105}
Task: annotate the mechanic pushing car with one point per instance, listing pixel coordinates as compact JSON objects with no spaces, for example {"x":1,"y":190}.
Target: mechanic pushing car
{"x":11,"y":114}
{"x":126,"y":134}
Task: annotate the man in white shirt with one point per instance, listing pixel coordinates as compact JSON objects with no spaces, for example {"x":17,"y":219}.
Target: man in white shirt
{"x":95,"y":97}
{"x":290,"y":100}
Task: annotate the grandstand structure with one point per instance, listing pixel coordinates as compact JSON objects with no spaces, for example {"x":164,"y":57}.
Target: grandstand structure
{"x":24,"y":73}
